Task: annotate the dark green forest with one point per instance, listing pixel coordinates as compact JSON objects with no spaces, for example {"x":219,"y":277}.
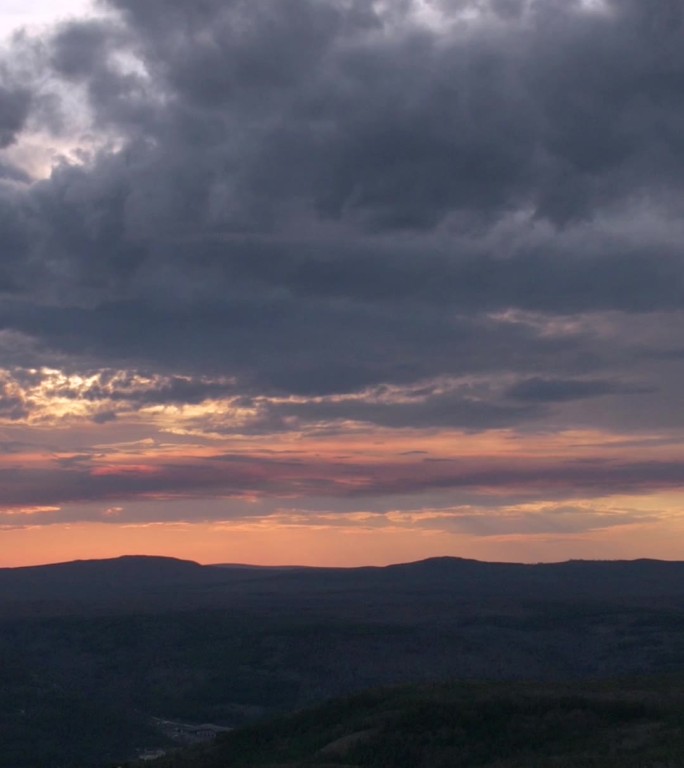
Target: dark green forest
{"x":607,"y":725}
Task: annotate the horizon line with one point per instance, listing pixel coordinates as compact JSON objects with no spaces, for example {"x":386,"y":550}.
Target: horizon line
{"x":294,"y":566}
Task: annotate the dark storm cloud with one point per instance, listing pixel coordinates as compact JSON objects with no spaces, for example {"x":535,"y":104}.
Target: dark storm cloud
{"x":319,"y":197}
{"x":381,"y":122}
{"x":271,"y":346}
{"x":79,"y":50}
{"x":10,"y":172}
{"x":12,"y":405}
{"x":14,"y":109}
{"x":551,"y":390}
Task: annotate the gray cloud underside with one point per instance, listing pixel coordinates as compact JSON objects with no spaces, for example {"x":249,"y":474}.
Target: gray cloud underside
{"x":238,"y":477}
{"x":319,"y":197}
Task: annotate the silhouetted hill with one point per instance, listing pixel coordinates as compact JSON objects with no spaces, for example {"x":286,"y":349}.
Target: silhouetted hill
{"x":600,"y":578}
{"x":84,"y":579}
{"x":170,"y":583}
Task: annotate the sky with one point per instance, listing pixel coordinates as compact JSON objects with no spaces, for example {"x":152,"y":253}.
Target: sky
{"x":341,"y":282}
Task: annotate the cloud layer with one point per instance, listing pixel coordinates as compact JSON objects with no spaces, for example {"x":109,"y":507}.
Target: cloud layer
{"x":315,"y":217}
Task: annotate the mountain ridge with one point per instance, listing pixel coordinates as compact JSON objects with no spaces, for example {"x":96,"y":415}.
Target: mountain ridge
{"x":173,"y":582}
{"x":438,"y":559}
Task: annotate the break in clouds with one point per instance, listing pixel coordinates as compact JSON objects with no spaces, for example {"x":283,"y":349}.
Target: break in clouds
{"x":321,"y":213}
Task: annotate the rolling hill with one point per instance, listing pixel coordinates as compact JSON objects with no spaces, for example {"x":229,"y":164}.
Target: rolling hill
{"x":463,"y":725}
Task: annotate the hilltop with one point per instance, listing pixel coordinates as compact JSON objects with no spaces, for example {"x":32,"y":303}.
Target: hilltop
{"x":460,"y":725}
{"x":168,"y":583}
